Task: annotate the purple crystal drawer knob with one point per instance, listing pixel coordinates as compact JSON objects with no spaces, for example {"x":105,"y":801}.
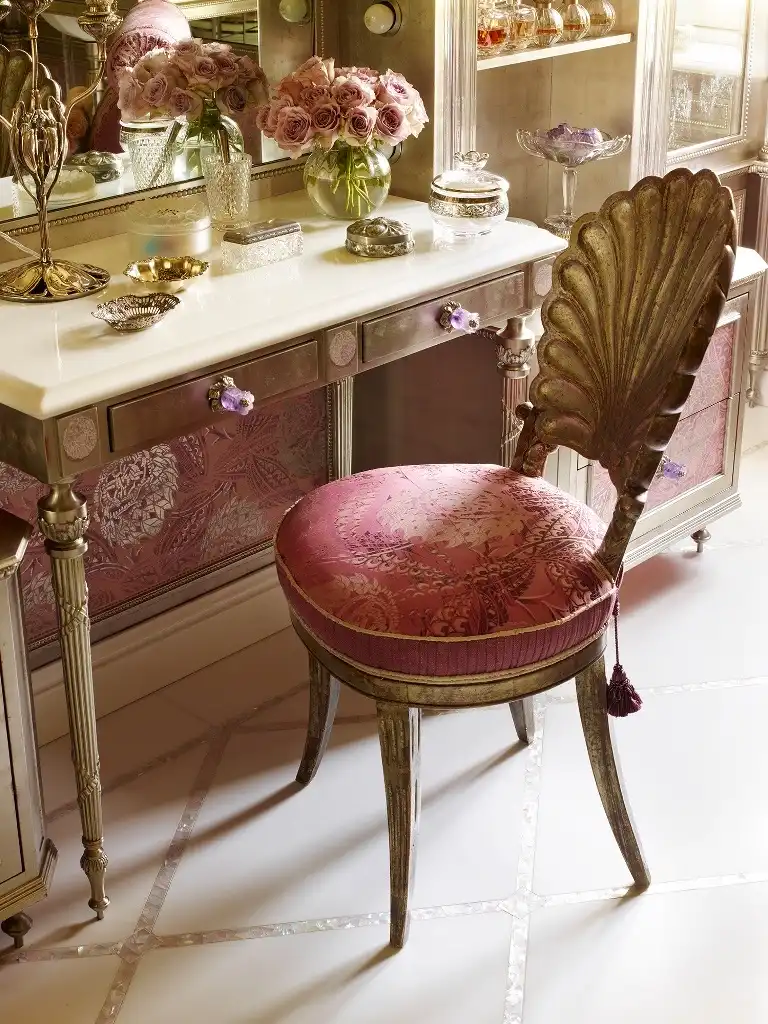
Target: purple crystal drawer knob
{"x":672,"y":470}
{"x":454,"y":317}
{"x":225,"y":396}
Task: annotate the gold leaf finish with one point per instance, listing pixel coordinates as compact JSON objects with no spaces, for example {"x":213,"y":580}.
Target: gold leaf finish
{"x":634,"y":301}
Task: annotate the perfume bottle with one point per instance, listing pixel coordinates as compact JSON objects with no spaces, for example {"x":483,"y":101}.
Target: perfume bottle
{"x":576,"y":21}
{"x":522,"y":26}
{"x":493,"y":23}
{"x":549,"y":23}
{"x":602,"y":17}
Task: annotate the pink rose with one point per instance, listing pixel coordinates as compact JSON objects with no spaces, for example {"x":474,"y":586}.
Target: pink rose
{"x":228,"y":67}
{"x":130,"y":97}
{"x":261,"y":117}
{"x":394,"y":88}
{"x":359,"y":127}
{"x":214,"y":49}
{"x":313,"y":95}
{"x":278,"y":104}
{"x":257,"y":87}
{"x":314,"y":72}
{"x":417,"y":116}
{"x":350,"y":92}
{"x":185,"y":103}
{"x":291,"y":88}
{"x":294,"y":129}
{"x":155,"y":61}
{"x":158,"y":89}
{"x":326,"y":123}
{"x":185,"y":54}
{"x":232,"y":99}
{"x":392,"y":124}
{"x":247,"y":68}
{"x":206,"y":72}
{"x":367,"y":75}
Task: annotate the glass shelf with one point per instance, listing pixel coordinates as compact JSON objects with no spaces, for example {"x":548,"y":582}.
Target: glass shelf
{"x":549,"y":52}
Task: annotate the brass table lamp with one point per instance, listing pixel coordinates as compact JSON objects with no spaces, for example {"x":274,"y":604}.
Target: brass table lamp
{"x":38,"y":142}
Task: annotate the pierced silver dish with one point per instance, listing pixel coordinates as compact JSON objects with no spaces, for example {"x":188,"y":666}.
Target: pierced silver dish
{"x":135,"y":312}
{"x":166,"y":273}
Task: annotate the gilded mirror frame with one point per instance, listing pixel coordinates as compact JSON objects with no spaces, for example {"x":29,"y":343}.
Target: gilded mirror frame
{"x":114,"y":206}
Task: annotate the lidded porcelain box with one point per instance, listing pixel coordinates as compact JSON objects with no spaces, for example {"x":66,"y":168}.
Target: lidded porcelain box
{"x":468,"y":201}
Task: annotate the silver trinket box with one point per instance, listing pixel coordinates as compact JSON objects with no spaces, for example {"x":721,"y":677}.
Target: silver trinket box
{"x":258,"y":245}
{"x":378,"y":237}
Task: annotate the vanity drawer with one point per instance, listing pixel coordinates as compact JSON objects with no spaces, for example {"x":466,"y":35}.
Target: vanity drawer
{"x":419,"y":327}
{"x":177,"y":410}
{"x":718,"y":376}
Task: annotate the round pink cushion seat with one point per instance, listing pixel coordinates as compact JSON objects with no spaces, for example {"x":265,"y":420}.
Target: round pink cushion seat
{"x":445,"y":570}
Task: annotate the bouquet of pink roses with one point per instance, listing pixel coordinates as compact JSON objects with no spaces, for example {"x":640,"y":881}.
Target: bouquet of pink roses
{"x":181,"y":81}
{"x":342,"y":116}
{"x":319,"y":105}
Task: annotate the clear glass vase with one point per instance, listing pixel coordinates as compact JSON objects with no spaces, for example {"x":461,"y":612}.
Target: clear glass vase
{"x":347,"y":182}
{"x":149,"y":145}
{"x":602,"y":16}
{"x":227,"y":187}
{"x":210,"y":132}
{"x":549,"y":24}
{"x":576,"y":21}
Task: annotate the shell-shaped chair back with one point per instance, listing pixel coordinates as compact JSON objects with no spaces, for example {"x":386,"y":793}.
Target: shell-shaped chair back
{"x":635,"y":299}
{"x":16,"y":85}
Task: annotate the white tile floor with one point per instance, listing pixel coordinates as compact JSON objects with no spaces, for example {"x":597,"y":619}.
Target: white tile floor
{"x":275,"y":912}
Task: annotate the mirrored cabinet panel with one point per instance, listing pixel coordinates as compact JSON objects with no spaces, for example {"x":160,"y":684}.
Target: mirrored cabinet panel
{"x":710,"y":72}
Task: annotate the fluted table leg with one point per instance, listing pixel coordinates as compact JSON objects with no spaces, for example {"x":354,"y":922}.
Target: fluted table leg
{"x":63,"y":520}
{"x":340,"y":394}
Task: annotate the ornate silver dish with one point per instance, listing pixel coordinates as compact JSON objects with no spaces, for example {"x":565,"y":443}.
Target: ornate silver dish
{"x":378,"y":237}
{"x":166,"y":273}
{"x":135,"y":312}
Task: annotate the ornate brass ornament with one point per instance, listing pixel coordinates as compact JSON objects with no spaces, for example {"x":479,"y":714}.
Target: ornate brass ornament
{"x":635,"y":299}
{"x":37,"y":133}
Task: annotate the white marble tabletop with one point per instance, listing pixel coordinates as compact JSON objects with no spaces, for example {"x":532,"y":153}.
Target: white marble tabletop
{"x":55,"y":357}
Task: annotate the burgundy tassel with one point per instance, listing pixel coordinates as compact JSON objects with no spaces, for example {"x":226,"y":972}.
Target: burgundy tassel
{"x":623,"y":698}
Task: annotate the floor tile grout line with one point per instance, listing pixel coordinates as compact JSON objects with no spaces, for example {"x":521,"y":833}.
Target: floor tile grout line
{"x":656,"y":889}
{"x":520,"y":904}
{"x":142,"y":939}
{"x":208,"y":736}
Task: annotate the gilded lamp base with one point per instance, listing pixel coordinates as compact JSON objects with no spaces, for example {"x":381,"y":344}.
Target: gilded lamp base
{"x":52,"y":281}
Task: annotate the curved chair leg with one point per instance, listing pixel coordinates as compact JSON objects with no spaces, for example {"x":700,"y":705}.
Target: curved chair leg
{"x":323,"y":701}
{"x":522,"y":716}
{"x":399,"y":736}
{"x":591,"y":691}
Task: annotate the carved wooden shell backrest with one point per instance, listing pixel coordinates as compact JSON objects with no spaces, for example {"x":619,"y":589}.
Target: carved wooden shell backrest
{"x":635,"y":299}
{"x":15,"y":85}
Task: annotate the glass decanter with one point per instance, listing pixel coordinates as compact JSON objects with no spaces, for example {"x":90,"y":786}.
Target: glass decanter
{"x":576,"y":21}
{"x":522,"y":26}
{"x":549,"y":24}
{"x":602,"y":17}
{"x":492,"y":29}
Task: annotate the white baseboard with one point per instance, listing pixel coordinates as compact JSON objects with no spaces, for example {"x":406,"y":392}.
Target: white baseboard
{"x":152,"y":654}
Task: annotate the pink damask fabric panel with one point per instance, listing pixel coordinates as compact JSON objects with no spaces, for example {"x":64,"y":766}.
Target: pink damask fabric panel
{"x":176,"y":509}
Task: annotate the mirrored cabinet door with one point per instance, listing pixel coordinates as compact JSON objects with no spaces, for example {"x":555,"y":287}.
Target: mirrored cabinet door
{"x":710,"y":75}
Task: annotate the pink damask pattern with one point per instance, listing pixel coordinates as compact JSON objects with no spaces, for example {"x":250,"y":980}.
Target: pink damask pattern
{"x":445,"y":570}
{"x":698,"y":444}
{"x":713,"y":381}
{"x":166,"y":513}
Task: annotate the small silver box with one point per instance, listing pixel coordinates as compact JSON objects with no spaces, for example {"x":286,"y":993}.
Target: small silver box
{"x":257,"y":245}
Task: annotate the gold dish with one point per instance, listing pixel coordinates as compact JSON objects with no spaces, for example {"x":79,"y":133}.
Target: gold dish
{"x":135,"y":312}
{"x":166,"y":273}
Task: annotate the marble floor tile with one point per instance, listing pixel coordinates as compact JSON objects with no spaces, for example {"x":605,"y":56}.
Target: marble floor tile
{"x":672,"y":958}
{"x":271,"y":852}
{"x":55,"y":992}
{"x":695,"y":766}
{"x":453,"y":971}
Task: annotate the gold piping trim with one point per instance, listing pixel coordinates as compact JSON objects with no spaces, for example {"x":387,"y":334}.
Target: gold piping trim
{"x":435,"y":639}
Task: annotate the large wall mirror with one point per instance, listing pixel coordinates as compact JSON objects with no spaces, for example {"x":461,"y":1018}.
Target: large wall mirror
{"x":277,"y":35}
{"x":709,"y":86}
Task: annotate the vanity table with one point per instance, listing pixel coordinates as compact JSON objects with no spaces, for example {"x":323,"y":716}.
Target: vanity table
{"x":74,"y":395}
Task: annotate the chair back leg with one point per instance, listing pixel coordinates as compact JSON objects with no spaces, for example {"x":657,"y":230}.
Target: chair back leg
{"x":400,"y":740}
{"x":323,"y":701}
{"x":522,"y":716}
{"x":591,"y":690}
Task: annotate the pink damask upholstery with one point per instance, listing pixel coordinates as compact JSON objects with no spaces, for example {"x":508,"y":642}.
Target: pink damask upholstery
{"x":452,"y":570}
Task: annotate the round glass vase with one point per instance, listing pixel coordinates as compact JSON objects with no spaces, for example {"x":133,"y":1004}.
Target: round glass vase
{"x":576,"y":22}
{"x":209,"y":133}
{"x":347,"y":182}
{"x":549,"y":24}
{"x":602,"y":16}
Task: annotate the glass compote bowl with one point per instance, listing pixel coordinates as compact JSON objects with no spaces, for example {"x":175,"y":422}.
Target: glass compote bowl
{"x":570,"y":147}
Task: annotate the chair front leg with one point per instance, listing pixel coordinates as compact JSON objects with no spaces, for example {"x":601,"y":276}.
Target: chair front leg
{"x":591,"y":688}
{"x":400,"y":740}
{"x":323,"y":701}
{"x":522,"y":716}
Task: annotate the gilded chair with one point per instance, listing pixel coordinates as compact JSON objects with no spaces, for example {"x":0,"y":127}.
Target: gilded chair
{"x":458,"y":586}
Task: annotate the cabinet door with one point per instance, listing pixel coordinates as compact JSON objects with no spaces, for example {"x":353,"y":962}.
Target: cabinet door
{"x":10,"y":852}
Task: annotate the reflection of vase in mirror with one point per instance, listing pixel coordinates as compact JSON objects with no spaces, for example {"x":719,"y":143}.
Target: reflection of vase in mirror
{"x":150,"y":149}
{"x":204,"y":135}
